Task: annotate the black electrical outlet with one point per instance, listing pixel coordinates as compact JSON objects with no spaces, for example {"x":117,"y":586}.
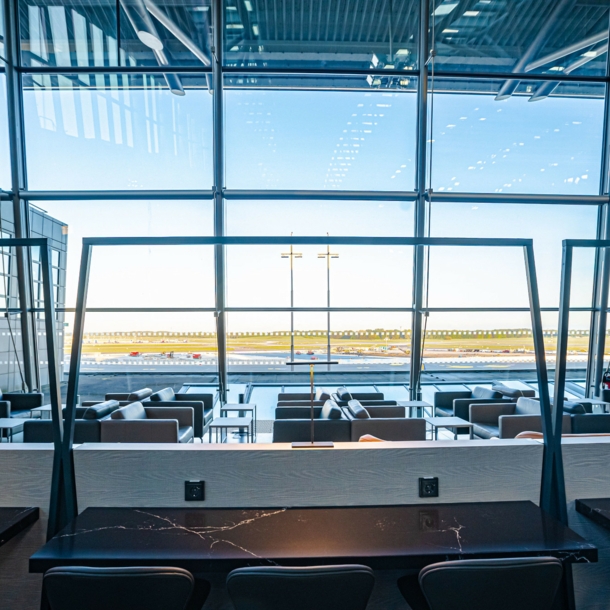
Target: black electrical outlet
{"x":428,"y":487}
{"x":194,"y":491}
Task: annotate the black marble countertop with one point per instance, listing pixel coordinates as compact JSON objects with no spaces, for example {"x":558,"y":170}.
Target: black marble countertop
{"x":15,"y":520}
{"x":383,"y":537}
{"x":597,"y":509}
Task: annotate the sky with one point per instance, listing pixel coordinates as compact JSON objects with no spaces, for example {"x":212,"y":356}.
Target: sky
{"x":102,"y":138}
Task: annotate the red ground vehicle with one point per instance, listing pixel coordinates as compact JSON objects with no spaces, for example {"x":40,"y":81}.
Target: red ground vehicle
{"x":134,"y":353}
{"x":196,"y":356}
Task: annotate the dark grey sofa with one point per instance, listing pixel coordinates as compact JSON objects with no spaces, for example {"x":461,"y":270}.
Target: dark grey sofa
{"x":591,"y":423}
{"x":136,"y":423}
{"x":41,"y":431}
{"x":330,"y":424}
{"x":13,"y":402}
{"x":456,"y":403}
{"x":106,"y":422}
{"x":387,"y":423}
{"x":506,"y":420}
{"x":202,"y":404}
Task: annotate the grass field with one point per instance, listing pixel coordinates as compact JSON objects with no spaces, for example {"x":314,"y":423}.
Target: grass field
{"x":378,"y":345}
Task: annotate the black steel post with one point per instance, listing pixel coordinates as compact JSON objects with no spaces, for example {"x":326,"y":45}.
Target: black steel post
{"x":67,"y":483}
{"x":219,"y":207}
{"x":19,"y":183}
{"x":553,"y":495}
{"x":420,"y":204}
{"x":56,"y":505}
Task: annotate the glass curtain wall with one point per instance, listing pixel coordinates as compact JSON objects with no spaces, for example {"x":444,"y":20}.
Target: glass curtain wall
{"x":260,"y":118}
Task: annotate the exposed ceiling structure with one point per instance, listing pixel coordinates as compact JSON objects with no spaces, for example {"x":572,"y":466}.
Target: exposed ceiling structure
{"x":546,"y":37}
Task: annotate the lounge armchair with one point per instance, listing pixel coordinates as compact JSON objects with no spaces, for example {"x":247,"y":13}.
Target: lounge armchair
{"x":330,"y":424}
{"x":388,"y":423}
{"x":509,"y":419}
{"x":138,"y":424}
{"x":456,"y":404}
{"x":202,"y":404}
{"x":15,"y":402}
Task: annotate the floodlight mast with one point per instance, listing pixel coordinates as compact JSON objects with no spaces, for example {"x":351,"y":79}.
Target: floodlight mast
{"x":292,"y":255}
{"x":328,"y":255}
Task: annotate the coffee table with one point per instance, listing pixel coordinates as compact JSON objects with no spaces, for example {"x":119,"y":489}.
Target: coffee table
{"x":240,"y":408}
{"x":225,"y":423}
{"x":12,"y":426}
{"x":448,"y":422}
{"x":419,"y":405}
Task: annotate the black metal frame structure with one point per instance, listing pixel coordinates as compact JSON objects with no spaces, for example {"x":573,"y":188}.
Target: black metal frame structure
{"x":64,"y":485}
{"x":555,"y":489}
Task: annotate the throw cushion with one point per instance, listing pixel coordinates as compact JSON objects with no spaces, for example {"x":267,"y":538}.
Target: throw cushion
{"x":322,"y":394}
{"x":357,"y":410}
{"x":480,"y":392}
{"x":133,"y":411}
{"x":163,"y":395}
{"x":101,"y":410}
{"x":344,"y":394}
{"x":330,"y":410}
{"x":512,"y":392}
{"x":140,"y":394}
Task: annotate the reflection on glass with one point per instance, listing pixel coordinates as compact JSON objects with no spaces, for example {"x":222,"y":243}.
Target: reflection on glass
{"x":320,"y":34}
{"x":482,"y":145}
{"x":541,"y":36}
{"x":117,"y":132}
{"x":81,"y":34}
{"x":5,"y":159}
{"x":320,"y":140}
{"x":157,"y":33}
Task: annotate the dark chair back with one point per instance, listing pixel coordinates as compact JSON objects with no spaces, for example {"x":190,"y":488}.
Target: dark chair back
{"x":72,"y":588}
{"x":41,"y":431}
{"x":501,"y":584}
{"x":342,"y":587}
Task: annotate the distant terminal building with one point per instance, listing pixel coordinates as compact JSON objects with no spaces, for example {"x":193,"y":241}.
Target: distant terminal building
{"x":11,"y":349}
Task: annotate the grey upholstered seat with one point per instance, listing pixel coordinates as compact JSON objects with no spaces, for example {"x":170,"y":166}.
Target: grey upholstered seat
{"x":80,"y":588}
{"x":341,"y":587}
{"x":501,"y":584}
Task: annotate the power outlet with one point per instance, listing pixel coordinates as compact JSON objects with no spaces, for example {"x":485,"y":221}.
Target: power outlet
{"x":194,"y":491}
{"x":428,"y":487}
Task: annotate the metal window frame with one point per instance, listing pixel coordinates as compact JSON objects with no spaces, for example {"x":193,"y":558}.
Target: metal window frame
{"x":64,"y":487}
{"x":59,"y":466}
{"x":552,"y":476}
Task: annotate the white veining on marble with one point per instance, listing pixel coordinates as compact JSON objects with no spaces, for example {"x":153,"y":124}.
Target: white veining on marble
{"x":208,"y":533}
{"x":456,"y":530}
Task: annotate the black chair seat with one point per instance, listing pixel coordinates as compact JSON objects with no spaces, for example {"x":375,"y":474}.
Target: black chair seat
{"x":342,"y":587}
{"x":501,"y":584}
{"x":76,"y":588}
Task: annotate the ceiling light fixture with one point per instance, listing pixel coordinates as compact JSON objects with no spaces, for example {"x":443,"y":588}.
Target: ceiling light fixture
{"x":142,"y":24}
{"x":444,"y":9}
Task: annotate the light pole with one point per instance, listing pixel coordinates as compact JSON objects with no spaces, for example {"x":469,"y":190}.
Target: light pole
{"x":291,"y":255}
{"x":328,"y":255}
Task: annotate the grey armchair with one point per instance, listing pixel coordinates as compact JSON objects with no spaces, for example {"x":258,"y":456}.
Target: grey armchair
{"x":11,"y":402}
{"x":507,"y":420}
{"x":202,"y":404}
{"x":138,"y":424}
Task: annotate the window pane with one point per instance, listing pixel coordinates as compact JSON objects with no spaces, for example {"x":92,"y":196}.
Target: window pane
{"x":540,"y":36}
{"x":175,"y":33}
{"x":5,"y":155}
{"x":309,"y":218}
{"x":113,"y":131}
{"x":319,"y":34}
{"x":513,"y":146}
{"x":320,"y":139}
{"x":81,"y":34}
{"x":143,"y":350}
{"x":499,"y":344}
{"x":547,"y":225}
{"x":128,"y":219}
